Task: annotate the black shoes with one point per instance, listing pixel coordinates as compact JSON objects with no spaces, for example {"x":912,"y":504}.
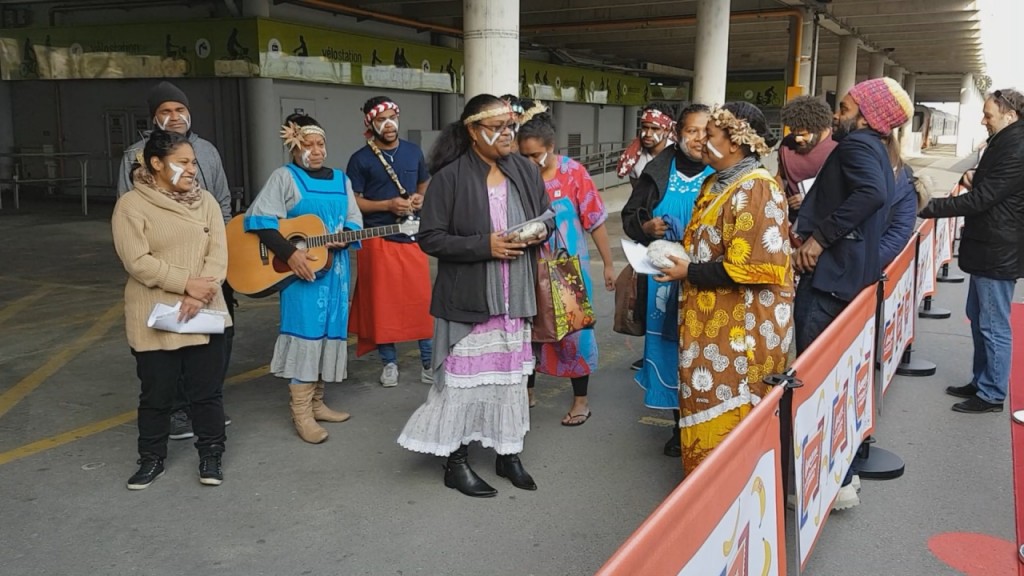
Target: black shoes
{"x":975,"y":405}
{"x":509,"y":466}
{"x":181,"y":426}
{"x":458,"y":475}
{"x":965,"y":391}
{"x":636,"y":366}
{"x":211,"y":471}
{"x":673,"y":449}
{"x":150,"y":468}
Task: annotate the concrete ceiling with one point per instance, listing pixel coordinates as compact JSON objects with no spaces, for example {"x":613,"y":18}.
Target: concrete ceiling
{"x":939,"y":40}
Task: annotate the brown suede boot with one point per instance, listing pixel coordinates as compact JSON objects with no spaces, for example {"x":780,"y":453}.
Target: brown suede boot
{"x":321,"y":411}
{"x":302,"y":414}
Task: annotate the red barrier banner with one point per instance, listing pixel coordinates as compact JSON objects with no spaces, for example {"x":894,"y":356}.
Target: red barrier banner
{"x":925,"y":260}
{"x":726,"y":518}
{"x":944,"y":241}
{"x":832,"y":412}
{"x":1016,"y":402}
{"x":899,"y":311}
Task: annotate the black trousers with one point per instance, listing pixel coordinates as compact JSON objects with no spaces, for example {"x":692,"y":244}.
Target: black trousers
{"x":180,"y":399}
{"x":201,"y":369}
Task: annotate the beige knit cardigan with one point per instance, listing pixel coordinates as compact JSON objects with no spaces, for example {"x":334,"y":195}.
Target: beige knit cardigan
{"x":162,"y":244}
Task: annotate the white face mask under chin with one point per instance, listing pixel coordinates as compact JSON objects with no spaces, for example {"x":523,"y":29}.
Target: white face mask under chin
{"x":490,"y":141}
{"x":714,"y":151}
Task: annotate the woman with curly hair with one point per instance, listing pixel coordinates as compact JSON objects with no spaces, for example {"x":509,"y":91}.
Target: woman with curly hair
{"x":736,"y":310}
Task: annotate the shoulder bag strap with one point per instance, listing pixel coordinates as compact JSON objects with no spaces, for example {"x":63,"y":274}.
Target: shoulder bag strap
{"x":387,"y":166}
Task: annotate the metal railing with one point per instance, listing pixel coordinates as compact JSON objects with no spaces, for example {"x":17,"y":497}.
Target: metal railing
{"x":598,"y":158}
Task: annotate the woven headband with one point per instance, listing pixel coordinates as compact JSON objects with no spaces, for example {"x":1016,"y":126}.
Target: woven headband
{"x":528,"y":115}
{"x":740,"y":131}
{"x":499,"y":111}
{"x":294,"y":135}
{"x":378,"y":109}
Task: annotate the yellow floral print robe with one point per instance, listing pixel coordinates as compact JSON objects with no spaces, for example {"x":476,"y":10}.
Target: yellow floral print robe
{"x":731,"y":337}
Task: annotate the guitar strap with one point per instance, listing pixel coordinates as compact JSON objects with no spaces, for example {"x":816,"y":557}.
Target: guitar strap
{"x":387,"y":166}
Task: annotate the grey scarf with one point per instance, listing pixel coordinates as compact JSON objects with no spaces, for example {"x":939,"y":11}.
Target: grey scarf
{"x":734,"y":173}
{"x":522,"y":300}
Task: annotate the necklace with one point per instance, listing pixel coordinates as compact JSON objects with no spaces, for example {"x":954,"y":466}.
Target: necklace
{"x":390,"y":156}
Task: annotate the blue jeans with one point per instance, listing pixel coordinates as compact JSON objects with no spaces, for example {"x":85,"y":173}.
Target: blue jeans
{"x":988,"y":309}
{"x":388,"y":354}
{"x":813,"y":311}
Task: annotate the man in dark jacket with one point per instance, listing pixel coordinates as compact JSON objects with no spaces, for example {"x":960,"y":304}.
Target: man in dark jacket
{"x":991,"y":249}
{"x":846,"y":214}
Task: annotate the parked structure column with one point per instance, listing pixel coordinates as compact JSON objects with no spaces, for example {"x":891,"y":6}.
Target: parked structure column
{"x":803,"y":77}
{"x":846,"y":75}
{"x":491,"y":40}
{"x":964,"y":134}
{"x":906,"y":132}
{"x":711,"y":55}
{"x":262,"y":118}
{"x":876,"y":67}
{"x":629,"y":116}
{"x":449,"y":109}
{"x":897,"y":73}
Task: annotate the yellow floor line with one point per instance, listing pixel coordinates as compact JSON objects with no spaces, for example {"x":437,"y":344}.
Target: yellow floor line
{"x":20,"y":304}
{"x":103,"y":425}
{"x":14,"y":395}
{"x":652,"y":421}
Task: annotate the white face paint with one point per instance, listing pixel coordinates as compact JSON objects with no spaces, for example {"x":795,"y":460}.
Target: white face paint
{"x":305,"y":158}
{"x":388,"y":121}
{"x":178,"y":172}
{"x":167,"y":120}
{"x":543,"y":159}
{"x":657,"y":138}
{"x":490,"y":140}
{"x":714,"y":151}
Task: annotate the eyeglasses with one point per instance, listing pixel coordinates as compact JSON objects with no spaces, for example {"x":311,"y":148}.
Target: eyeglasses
{"x":513,"y":126}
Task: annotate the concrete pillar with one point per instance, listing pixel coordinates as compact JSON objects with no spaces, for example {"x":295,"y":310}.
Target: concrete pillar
{"x":846,"y":75}
{"x":906,"y":132}
{"x":876,"y":68}
{"x":711,"y":56}
{"x":256,"y":8}
{"x":262,"y":128}
{"x":491,"y":47}
{"x":812,"y":88}
{"x":558,"y":116}
{"x":629,"y":116}
{"x":896,"y":73}
{"x":806,"y":52}
{"x":964,"y":134}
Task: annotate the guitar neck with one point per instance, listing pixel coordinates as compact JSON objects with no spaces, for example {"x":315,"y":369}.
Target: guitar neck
{"x":349,"y":236}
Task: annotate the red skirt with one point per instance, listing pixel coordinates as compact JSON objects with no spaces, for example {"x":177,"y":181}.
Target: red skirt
{"x":392,"y":297}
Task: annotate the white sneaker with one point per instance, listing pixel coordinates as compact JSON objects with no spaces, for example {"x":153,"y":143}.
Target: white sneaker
{"x":427,"y":376}
{"x":855,"y":482}
{"x":389,"y":377}
{"x":847,"y":498}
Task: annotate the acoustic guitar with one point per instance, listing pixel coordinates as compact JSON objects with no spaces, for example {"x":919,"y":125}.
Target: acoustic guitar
{"x":255,"y":271}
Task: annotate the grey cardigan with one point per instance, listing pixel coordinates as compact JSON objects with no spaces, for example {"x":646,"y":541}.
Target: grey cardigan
{"x":455,"y":228}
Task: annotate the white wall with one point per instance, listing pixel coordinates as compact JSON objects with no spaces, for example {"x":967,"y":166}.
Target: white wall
{"x":574,"y":118}
{"x":610,"y":124}
{"x":339,"y":111}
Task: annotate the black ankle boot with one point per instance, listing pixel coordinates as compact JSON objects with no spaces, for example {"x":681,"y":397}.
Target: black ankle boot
{"x":672,"y":447}
{"x":509,"y":466}
{"x":458,"y":475}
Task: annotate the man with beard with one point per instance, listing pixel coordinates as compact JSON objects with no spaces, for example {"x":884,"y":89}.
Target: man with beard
{"x":804,"y":150}
{"x":392,"y":293}
{"x":169,"y":110}
{"x":660,"y":208}
{"x":845,"y":215}
{"x":991,"y":250}
{"x":655,"y":134}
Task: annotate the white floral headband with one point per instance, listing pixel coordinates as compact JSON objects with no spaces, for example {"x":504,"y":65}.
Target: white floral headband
{"x":293,"y":135}
{"x":740,"y":132}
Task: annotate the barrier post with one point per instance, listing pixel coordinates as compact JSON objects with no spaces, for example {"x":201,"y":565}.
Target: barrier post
{"x":910,"y":366}
{"x":945,"y":277}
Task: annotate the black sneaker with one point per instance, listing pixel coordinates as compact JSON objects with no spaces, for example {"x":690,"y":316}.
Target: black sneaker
{"x":636,"y":366}
{"x":965,"y":391}
{"x":181,"y":426}
{"x":211,"y":471}
{"x":227,"y":419}
{"x":975,"y":405}
{"x":150,"y":469}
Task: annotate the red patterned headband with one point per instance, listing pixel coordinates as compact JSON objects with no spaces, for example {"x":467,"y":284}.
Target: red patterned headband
{"x":658,"y":118}
{"x":378,"y":109}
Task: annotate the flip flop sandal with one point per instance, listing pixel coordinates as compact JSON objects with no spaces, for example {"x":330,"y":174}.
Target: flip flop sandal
{"x":574,"y":419}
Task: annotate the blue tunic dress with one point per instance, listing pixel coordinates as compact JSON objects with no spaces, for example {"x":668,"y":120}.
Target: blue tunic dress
{"x":659,"y":376}
{"x":312,"y":343}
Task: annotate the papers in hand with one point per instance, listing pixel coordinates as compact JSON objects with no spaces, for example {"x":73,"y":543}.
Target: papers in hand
{"x":804,"y":186}
{"x":165,"y":318}
{"x":637,"y":256}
